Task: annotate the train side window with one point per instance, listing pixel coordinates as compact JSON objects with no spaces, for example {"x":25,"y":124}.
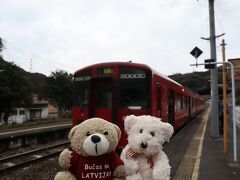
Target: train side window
{"x":171,"y":107}
{"x":185,"y":102}
{"x":178,"y":102}
{"x":181,"y":97}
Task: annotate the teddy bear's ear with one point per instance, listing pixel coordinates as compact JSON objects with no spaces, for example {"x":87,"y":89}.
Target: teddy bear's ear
{"x":118,"y":131}
{"x":70,"y":135}
{"x":129,"y":121}
{"x":167,"y":130}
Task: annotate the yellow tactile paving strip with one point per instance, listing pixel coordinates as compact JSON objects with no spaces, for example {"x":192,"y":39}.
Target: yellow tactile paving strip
{"x":189,"y":166}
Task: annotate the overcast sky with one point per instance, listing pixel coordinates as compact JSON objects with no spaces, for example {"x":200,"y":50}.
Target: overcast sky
{"x":71,"y":34}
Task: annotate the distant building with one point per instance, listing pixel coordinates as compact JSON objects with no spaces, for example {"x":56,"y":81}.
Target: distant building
{"x":236,"y":63}
{"x":52,"y":110}
{"x":40,"y":109}
{"x":18,"y":116}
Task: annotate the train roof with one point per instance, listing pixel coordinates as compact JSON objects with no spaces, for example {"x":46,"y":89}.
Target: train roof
{"x":166,"y":77}
{"x":139,"y":65}
{"x":144,"y":66}
{"x":108,"y":64}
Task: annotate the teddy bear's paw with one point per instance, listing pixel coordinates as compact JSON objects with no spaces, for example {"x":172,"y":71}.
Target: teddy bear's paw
{"x":162,"y":171}
{"x":162,"y":178}
{"x":119,"y":172}
{"x":121,"y":178}
{"x":64,"y":158}
{"x":165,"y":175}
{"x":131,"y":167}
{"x":64,"y":175}
{"x":134,"y":177}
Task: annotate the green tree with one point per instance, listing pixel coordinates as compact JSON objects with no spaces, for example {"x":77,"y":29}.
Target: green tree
{"x":60,"y":89}
{"x":15,"y":88}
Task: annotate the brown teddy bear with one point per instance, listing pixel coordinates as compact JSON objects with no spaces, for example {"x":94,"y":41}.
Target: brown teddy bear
{"x":93,"y":155}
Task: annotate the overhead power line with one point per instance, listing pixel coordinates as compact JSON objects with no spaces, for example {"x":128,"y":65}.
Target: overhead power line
{"x":33,"y":54}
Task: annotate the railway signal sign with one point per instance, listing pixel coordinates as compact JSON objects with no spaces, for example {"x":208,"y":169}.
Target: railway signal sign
{"x":209,"y":66}
{"x":196,"y":52}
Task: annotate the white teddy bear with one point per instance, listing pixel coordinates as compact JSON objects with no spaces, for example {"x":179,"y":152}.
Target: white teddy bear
{"x":143,"y":156}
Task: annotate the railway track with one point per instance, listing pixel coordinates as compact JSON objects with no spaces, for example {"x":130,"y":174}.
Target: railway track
{"x":27,"y":158}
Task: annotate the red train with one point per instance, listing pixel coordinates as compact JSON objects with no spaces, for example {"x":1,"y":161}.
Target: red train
{"x":114,"y":90}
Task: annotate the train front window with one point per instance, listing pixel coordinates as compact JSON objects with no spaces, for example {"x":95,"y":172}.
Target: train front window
{"x":134,"y":88}
{"x":81,"y":94}
{"x":82,"y":88}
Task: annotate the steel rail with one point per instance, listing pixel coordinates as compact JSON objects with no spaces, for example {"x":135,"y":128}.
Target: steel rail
{"x":4,"y":170}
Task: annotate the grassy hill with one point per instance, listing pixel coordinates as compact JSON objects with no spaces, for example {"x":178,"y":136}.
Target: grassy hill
{"x":38,"y":81}
{"x":197,"y":81}
{"x":200,"y":82}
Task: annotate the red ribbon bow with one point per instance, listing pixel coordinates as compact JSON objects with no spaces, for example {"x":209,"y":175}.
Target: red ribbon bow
{"x":150,"y":162}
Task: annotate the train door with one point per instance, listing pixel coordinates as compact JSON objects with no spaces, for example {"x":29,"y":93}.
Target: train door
{"x":189,"y":106}
{"x":171,"y":107}
{"x":102,"y":99}
{"x":158,"y":102}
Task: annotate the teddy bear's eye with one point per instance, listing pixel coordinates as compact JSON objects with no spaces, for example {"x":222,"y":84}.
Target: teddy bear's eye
{"x":105,"y":133}
{"x":88,"y":133}
{"x":141,"y":130}
{"x":152,"y":133}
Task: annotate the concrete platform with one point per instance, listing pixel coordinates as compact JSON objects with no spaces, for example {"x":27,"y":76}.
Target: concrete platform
{"x":194,"y":155}
{"x":214,"y":163}
{"x":33,"y":130}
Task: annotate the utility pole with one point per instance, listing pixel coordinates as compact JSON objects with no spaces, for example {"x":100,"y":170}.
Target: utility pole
{"x":214,"y":76}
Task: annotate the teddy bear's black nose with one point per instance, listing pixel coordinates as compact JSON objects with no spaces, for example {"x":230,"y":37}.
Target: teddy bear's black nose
{"x":95,"y":139}
{"x":144,"y":146}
